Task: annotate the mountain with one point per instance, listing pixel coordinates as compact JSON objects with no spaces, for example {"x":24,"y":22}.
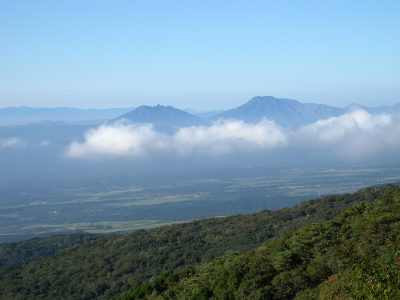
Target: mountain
{"x":113,"y":264}
{"x":203,"y":114}
{"x":25,"y":115}
{"x":285,"y":112}
{"x":291,"y":113}
{"x":161,"y":116}
{"x":375,"y":110}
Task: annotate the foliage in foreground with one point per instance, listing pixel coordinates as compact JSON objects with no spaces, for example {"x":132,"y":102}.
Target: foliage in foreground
{"x":111,"y":265}
{"x":354,"y":256}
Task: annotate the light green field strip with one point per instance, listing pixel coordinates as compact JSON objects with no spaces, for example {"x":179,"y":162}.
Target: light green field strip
{"x":88,"y":197}
{"x":9,"y":216}
{"x":394,"y":178}
{"x":99,"y":227}
{"x":94,"y":199}
{"x":14,"y":206}
{"x":160,"y":200}
{"x":28,"y":227}
{"x":116,"y":192}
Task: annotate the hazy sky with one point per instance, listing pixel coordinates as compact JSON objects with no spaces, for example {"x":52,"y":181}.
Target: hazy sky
{"x":198,"y":54}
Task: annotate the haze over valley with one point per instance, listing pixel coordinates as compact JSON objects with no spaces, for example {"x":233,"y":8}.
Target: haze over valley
{"x":158,"y":203}
{"x":138,"y":167}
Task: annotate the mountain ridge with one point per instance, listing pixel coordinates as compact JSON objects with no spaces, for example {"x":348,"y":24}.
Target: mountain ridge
{"x":287,"y":113}
{"x":284,"y":112}
{"x":23,"y":115}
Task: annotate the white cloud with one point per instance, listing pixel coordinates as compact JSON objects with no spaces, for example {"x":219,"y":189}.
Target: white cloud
{"x":12,"y":142}
{"x":348,"y":125}
{"x":44,"y":143}
{"x":118,"y":140}
{"x":127,"y":139}
{"x":353,"y":135}
{"x":226,"y":136}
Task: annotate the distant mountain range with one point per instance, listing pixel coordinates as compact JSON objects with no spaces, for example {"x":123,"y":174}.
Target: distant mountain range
{"x":287,"y":113}
{"x":24,"y":115}
{"x":203,"y":114}
{"x":284,"y":112}
{"x":291,"y":113}
{"x":375,"y":110}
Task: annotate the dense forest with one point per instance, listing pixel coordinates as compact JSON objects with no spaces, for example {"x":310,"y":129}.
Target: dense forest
{"x":354,"y":256}
{"x":319,"y":248}
{"x":13,"y":254}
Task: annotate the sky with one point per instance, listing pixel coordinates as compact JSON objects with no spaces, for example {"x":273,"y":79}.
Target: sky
{"x":204,"y":55}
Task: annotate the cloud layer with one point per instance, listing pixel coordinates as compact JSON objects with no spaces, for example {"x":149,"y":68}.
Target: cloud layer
{"x":130,"y":140}
{"x":228,"y":136}
{"x":120,"y":139}
{"x":355,"y":134}
{"x":11,"y":142}
{"x":349,"y":125}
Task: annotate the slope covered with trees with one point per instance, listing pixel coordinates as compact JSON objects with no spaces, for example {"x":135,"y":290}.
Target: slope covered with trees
{"x":12,"y":254}
{"x":354,"y":256}
{"x":111,"y":265}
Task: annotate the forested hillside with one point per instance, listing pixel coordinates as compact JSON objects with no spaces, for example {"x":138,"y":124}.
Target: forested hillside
{"x":13,"y":254}
{"x":111,"y":265}
{"x":354,"y":256}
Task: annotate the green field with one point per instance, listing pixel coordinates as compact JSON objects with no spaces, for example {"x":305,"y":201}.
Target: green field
{"x":117,"y":209}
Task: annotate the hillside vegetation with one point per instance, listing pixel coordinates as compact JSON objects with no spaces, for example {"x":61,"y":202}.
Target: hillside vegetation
{"x":354,"y":256}
{"x":113,"y":264}
{"x":13,"y":254}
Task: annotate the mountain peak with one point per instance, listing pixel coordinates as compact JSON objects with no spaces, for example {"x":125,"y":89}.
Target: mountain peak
{"x":271,"y":100}
{"x":165,"y":116}
{"x":284,"y":112}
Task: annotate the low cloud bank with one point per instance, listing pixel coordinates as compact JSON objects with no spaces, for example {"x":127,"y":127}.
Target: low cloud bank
{"x":12,"y":142}
{"x":120,"y":139}
{"x":228,"y":136}
{"x":356,"y":134}
{"x":337,"y":129}
{"x":130,"y":140}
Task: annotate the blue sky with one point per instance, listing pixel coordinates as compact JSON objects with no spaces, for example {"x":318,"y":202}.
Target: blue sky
{"x":199,"y":54}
